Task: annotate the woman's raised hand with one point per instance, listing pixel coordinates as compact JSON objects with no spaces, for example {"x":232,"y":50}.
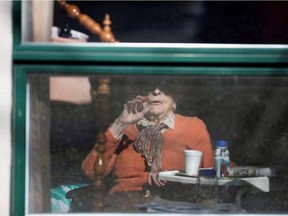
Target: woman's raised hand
{"x":134,"y":110}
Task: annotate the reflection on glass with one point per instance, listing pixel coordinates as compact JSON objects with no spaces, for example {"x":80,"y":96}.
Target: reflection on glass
{"x":249,"y":112}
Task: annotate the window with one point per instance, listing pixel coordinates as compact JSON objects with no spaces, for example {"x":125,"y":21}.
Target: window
{"x":230,"y":67}
{"x":60,"y":129}
{"x":229,"y":22}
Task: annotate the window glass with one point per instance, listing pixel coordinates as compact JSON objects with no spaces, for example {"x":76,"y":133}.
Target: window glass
{"x":249,"y":112}
{"x":236,"y":22}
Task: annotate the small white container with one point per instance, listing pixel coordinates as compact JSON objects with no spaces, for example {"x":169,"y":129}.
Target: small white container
{"x":221,"y":157}
{"x":75,"y":36}
{"x":192,"y":162}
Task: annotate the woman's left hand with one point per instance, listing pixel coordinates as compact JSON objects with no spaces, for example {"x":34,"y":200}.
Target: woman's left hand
{"x":153,"y":178}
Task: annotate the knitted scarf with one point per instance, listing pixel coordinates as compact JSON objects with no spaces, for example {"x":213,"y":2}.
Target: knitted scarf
{"x":149,"y":143}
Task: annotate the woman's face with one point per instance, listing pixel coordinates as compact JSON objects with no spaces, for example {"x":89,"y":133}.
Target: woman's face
{"x":161,"y":104}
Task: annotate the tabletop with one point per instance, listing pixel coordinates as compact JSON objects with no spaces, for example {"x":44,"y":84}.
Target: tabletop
{"x":261,"y":183}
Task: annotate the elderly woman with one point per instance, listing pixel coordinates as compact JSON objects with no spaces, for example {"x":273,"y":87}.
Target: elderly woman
{"x":146,"y":138}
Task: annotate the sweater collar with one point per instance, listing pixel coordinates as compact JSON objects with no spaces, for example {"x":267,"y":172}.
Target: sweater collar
{"x":169,"y":121}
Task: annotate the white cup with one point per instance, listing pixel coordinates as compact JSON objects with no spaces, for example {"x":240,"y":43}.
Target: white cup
{"x":192,"y":161}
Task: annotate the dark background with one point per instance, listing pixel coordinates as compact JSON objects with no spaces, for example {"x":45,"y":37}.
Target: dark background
{"x":243,"y":22}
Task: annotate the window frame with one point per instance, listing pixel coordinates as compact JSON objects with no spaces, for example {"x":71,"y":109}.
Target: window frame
{"x":20,"y":110}
{"x":176,"y":53}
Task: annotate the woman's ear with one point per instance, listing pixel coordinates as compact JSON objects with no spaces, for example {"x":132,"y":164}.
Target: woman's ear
{"x":174,"y":107}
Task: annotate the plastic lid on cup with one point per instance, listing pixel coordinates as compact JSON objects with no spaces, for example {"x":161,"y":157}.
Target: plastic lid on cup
{"x":221,"y":143}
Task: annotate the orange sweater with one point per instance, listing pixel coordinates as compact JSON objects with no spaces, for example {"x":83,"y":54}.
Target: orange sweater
{"x":128,"y":166}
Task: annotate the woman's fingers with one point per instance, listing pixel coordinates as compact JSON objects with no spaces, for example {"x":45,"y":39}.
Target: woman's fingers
{"x":136,"y":105}
{"x":153,"y":178}
{"x":134,"y":110}
{"x":131,"y":106}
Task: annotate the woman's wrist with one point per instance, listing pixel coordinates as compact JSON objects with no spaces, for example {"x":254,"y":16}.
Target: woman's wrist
{"x":117,"y":127}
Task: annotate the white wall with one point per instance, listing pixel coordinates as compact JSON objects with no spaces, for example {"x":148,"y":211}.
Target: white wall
{"x":5,"y":103}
